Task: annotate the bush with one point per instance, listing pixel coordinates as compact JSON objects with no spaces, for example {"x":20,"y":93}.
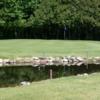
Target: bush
{"x":15,"y":75}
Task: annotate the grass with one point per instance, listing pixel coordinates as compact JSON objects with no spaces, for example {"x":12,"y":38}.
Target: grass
{"x":15,"y":48}
{"x":65,"y":88}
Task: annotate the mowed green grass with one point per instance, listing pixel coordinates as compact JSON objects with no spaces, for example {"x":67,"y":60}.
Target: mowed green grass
{"x":16,"y":48}
{"x":65,"y":88}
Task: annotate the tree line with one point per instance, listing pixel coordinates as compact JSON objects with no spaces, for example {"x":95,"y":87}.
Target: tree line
{"x":50,"y":19}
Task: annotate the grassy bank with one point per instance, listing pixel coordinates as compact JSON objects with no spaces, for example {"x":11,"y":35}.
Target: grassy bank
{"x":15,"y":48}
{"x":66,"y":88}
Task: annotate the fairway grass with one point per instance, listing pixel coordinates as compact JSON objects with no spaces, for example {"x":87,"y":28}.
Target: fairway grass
{"x":16,"y":48}
{"x":65,"y":88}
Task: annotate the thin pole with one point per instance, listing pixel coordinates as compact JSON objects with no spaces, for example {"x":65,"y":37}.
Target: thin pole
{"x":87,"y":59}
{"x":65,"y":29}
{"x":51,"y":74}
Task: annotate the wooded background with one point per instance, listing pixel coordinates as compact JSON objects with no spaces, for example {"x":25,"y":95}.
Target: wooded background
{"x":50,"y":19}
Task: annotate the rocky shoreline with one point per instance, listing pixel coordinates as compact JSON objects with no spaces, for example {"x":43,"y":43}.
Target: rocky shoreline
{"x":49,"y":61}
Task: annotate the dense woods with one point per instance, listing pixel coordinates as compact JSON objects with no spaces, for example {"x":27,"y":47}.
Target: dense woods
{"x":50,"y":19}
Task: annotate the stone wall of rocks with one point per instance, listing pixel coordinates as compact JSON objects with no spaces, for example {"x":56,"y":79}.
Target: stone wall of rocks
{"x":45,"y":61}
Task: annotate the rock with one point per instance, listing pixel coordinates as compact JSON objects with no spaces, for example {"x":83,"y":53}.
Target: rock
{"x":96,"y":60}
{"x":64,"y":61}
{"x":89,"y":61}
{"x":79,"y":64}
{"x":6,"y":62}
{"x":25,"y":83}
{"x":43,"y":61}
{"x":1,"y":62}
{"x":50,"y":60}
{"x":85,"y":74}
{"x":35,"y":62}
{"x":80,"y":59}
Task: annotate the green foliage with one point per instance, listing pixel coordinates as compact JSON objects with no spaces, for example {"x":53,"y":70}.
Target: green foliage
{"x":35,"y":16}
{"x":14,"y":75}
